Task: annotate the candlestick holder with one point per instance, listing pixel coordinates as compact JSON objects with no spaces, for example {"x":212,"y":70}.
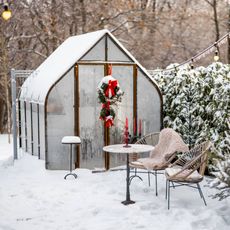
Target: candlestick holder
{"x":126,"y":138}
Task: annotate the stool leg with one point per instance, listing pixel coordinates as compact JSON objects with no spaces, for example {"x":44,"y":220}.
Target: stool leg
{"x":70,"y":165}
{"x":70,"y":161}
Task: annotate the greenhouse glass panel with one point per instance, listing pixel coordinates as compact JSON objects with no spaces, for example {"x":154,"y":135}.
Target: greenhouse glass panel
{"x":28,"y":127}
{"x":35,"y":129}
{"x":42,"y":131}
{"x":60,"y":121}
{"x":124,"y":75}
{"x":97,"y":53}
{"x":115,"y":53}
{"x":91,"y":128}
{"x":22,"y":123}
{"x":148,"y":104}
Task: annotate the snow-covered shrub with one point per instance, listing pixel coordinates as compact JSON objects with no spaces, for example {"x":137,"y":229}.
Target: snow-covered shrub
{"x":197,"y":105}
{"x":222,"y":181}
{"x":181,"y":95}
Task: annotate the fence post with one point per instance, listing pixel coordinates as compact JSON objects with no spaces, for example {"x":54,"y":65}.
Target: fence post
{"x":14,"y":117}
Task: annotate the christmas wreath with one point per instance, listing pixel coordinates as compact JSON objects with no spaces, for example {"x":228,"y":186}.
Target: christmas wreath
{"x":109,"y":93}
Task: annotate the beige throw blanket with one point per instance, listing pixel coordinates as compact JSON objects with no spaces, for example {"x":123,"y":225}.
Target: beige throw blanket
{"x":169,"y":143}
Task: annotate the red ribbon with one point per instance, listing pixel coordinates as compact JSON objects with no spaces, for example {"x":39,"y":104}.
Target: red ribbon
{"x":108,"y":122}
{"x":110,"y":90}
{"x":108,"y":118}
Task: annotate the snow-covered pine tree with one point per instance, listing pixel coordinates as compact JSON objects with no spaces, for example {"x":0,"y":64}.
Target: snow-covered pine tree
{"x":197,"y":105}
{"x":180,"y":95}
{"x":220,"y":126}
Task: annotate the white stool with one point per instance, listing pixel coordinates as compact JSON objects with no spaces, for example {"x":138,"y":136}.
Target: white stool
{"x":71,"y":140}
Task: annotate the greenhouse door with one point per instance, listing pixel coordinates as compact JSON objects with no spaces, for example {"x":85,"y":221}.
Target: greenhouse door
{"x":87,"y":112}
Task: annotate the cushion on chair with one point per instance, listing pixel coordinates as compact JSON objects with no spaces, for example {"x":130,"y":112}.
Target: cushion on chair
{"x":152,"y":163}
{"x":194,"y":176}
{"x":136,"y":164}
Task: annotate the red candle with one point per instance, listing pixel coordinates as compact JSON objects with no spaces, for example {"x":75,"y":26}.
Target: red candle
{"x":140,"y":127}
{"x":134,"y":127}
{"x":126,"y":123}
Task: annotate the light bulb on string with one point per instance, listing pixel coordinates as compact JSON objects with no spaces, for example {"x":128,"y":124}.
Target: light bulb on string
{"x":191,"y":64}
{"x":216,"y":57}
{"x":6,"y":14}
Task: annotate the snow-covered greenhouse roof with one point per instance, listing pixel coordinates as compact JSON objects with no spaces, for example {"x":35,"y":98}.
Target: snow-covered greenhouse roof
{"x":38,"y":84}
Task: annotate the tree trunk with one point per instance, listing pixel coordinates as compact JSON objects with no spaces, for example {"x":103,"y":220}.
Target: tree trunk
{"x":216,"y":20}
{"x":83,"y":15}
{"x":228,"y":56}
{"x":6,"y":89}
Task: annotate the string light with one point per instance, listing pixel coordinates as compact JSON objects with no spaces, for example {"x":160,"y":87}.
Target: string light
{"x":216,"y":57}
{"x":200,"y":55}
{"x":191,"y":65}
{"x":6,"y":14}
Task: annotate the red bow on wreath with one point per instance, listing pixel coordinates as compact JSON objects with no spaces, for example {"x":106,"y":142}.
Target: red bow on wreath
{"x":110,"y":90}
{"x":107,"y":114}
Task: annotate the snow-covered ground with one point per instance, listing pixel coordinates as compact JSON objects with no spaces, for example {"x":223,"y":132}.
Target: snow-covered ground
{"x":32,"y":198}
{"x":6,"y":150}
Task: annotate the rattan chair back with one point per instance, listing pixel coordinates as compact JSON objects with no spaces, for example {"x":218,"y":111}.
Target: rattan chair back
{"x":149,"y":139}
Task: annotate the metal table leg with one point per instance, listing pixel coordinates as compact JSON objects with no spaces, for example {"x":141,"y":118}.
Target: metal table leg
{"x":127,"y":201}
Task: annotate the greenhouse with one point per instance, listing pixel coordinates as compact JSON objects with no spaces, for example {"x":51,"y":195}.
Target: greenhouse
{"x":60,"y":98}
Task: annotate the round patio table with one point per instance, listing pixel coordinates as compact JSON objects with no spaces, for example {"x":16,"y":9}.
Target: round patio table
{"x":123,"y":149}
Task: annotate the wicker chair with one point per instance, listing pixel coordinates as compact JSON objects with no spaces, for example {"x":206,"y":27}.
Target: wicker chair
{"x":188,"y":170}
{"x":167,"y":143}
{"x":149,"y":139}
